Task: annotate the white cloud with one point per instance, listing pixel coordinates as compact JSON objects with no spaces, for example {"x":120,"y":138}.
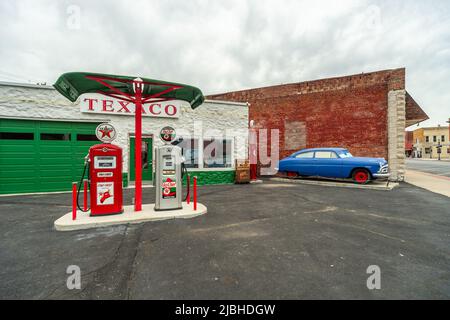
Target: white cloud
{"x":234,"y":44}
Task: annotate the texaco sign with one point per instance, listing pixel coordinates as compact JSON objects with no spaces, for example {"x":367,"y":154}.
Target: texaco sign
{"x":97,"y":103}
{"x":105,"y":132}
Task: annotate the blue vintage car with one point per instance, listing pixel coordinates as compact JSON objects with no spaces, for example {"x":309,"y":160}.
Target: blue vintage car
{"x":333,"y":163}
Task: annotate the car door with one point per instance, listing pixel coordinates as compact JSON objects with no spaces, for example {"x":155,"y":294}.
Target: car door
{"x":327,"y":164}
{"x":304,"y":163}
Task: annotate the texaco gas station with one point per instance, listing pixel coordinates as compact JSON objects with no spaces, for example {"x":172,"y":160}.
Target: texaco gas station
{"x":103,"y":107}
{"x":104,"y":161}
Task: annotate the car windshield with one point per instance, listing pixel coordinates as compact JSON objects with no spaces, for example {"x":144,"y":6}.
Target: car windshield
{"x":345,"y":154}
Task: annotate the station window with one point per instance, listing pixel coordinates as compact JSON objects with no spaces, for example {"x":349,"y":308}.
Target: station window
{"x":427,"y":150}
{"x":442,"y":138}
{"x":190,"y":151}
{"x":16,"y":136}
{"x":217,"y":153}
{"x":55,"y":136}
{"x":427,"y":139}
{"x":434,"y":139}
{"x":86,"y":137}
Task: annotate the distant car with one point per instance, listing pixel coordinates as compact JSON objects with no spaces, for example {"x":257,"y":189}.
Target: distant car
{"x":333,"y":163}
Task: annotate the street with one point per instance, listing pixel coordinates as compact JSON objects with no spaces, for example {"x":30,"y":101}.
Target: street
{"x":440,"y":168}
{"x":272,"y":240}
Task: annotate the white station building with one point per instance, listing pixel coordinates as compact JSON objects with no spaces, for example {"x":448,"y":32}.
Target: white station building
{"x":44,"y":137}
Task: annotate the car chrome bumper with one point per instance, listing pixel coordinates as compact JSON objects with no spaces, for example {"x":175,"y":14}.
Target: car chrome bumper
{"x":381,"y":175}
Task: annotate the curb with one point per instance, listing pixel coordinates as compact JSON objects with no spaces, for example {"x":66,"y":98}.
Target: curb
{"x":371,"y":186}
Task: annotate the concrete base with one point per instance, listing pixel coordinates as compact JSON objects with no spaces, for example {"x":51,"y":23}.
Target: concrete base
{"x":374,"y":185}
{"x":85,"y":221}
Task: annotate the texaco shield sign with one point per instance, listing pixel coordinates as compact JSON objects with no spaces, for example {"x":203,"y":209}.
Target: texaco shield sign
{"x":98,"y":103}
{"x":105,"y":132}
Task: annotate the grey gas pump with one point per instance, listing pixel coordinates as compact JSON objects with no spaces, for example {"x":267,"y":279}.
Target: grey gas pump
{"x":168,"y":181}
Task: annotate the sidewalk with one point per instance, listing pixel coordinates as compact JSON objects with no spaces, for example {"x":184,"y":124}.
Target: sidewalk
{"x":428,"y":159}
{"x":431,"y":182}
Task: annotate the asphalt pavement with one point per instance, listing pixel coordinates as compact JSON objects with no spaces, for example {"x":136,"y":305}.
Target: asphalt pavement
{"x":263,"y":241}
{"x":440,"y":168}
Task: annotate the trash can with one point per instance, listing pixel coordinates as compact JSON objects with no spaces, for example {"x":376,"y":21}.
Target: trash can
{"x":242,"y":171}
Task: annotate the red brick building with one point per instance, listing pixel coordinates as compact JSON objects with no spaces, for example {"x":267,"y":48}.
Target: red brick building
{"x":409,"y":143}
{"x":366,"y":113}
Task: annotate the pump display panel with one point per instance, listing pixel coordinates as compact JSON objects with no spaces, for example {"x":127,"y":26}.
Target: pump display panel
{"x":104,"y":162}
{"x":168,"y":163}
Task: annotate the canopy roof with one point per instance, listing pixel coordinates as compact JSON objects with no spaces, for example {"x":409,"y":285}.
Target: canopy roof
{"x":73,"y":84}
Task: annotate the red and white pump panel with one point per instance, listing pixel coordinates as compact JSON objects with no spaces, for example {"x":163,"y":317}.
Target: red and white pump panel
{"x":105,"y":172}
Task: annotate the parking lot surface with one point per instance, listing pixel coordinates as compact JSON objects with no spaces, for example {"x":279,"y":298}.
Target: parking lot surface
{"x":264,"y":241}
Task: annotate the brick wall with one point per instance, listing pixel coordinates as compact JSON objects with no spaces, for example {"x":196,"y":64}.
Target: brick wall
{"x":349,"y":112}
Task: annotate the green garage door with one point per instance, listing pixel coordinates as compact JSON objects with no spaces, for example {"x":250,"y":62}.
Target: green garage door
{"x":42,"y":156}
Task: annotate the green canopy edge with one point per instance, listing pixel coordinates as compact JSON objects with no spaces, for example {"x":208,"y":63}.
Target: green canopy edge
{"x":73,"y":84}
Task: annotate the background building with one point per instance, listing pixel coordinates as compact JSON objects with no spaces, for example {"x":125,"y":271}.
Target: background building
{"x":409,"y":144}
{"x":366,"y":113}
{"x":427,"y":140}
{"x":44,"y":138}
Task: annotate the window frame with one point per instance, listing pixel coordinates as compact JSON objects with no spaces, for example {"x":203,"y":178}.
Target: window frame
{"x":232,"y":167}
{"x":33,"y":136}
{"x":200,"y":152}
{"x":66,"y":136}
{"x":312,"y":152}
{"x":330,"y":151}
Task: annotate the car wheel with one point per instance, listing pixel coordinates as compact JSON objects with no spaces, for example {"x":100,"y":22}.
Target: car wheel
{"x":361,"y":176}
{"x":292,"y":175}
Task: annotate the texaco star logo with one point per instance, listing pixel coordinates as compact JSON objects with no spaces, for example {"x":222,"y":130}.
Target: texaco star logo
{"x":167,"y":134}
{"x":105,"y":132}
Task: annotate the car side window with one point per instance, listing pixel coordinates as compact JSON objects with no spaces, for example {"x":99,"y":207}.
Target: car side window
{"x":326,"y":155}
{"x":306,"y":155}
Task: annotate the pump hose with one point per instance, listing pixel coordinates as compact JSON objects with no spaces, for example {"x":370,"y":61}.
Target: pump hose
{"x":183,"y":172}
{"x":79,"y":187}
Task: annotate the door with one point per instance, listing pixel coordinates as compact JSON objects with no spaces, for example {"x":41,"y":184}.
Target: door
{"x":327,"y":164}
{"x":41,"y":156}
{"x":147,"y":159}
{"x":303,"y":163}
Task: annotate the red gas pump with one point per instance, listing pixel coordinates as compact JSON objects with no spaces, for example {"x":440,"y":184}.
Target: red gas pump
{"x":105,"y":172}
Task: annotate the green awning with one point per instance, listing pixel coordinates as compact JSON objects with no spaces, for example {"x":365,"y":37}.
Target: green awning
{"x":73,"y":84}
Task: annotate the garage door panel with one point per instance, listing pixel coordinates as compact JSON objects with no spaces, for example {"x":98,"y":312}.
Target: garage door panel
{"x":46,"y":149}
{"x":18,"y":188}
{"x":57,"y":157}
{"x":55,"y":185}
{"x":6,"y":150}
{"x":6,"y":174}
{"x":55,"y":172}
{"x":13,"y":162}
{"x":40,"y":164}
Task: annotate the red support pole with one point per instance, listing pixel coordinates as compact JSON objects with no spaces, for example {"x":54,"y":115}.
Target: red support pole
{"x":138,"y":147}
{"x":195,"y":193}
{"x":253,"y":156}
{"x":74,"y":201}
{"x":188,"y":184}
{"x":85,"y":201}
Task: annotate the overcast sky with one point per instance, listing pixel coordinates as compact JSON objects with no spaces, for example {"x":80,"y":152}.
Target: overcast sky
{"x":230,"y":45}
